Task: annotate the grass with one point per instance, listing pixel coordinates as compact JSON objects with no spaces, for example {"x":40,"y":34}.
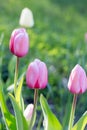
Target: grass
{"x":57,"y":38}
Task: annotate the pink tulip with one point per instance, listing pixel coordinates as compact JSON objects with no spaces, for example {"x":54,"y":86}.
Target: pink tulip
{"x":37,"y":75}
{"x":77,"y":81}
{"x":19,"y":42}
{"x":28,"y":112}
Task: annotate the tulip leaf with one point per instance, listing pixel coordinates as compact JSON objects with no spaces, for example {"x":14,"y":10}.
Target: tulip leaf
{"x":19,"y":98}
{"x":50,"y":120}
{"x":9,"y":119}
{"x":82,"y":122}
{"x":20,"y":119}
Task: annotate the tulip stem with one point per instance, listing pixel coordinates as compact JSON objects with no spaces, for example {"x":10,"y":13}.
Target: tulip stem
{"x":71,"y":121}
{"x":16,"y":76}
{"x":34,"y":110}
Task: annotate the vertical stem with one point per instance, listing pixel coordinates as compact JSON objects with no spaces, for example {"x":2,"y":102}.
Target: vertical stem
{"x":39,"y":122}
{"x":34,"y":110}
{"x":72,"y":112}
{"x":16,"y":75}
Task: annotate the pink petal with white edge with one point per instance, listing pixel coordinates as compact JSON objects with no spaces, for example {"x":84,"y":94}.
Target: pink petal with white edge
{"x":32,"y":75}
{"x":37,"y":61}
{"x":83,"y":81}
{"x":21,"y":45}
{"x":43,"y":75}
{"x":73,"y":83}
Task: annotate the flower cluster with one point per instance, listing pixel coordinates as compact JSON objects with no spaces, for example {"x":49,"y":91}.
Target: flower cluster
{"x":36,"y":75}
{"x":37,"y":78}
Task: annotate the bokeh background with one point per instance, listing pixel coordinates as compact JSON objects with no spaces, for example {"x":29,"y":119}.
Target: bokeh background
{"x":58,"y":39}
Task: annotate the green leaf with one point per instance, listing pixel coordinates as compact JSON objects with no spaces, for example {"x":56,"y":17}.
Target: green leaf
{"x":81,"y":124}
{"x":19,"y":98}
{"x":50,"y":120}
{"x":9,"y":119}
{"x":20,"y":119}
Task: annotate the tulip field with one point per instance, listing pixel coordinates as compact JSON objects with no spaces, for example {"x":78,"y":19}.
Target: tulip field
{"x":43,"y":65}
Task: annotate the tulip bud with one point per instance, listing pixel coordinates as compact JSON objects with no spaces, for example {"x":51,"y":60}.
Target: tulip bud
{"x":19,"y":42}
{"x":77,"y":83}
{"x":26,"y":18}
{"x":28,"y":112}
{"x":37,"y":75}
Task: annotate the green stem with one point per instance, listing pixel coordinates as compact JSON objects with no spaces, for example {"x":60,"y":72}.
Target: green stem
{"x":72,"y":112}
{"x":34,"y":110}
{"x":39,"y":122}
{"x":16,"y":75}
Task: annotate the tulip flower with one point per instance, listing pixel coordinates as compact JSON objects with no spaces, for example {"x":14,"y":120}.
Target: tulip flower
{"x":77,"y":81}
{"x":26,"y":18}
{"x":77,"y":84}
{"x":28,"y":112}
{"x":19,"y":42}
{"x":37,"y":75}
{"x":36,"y":78}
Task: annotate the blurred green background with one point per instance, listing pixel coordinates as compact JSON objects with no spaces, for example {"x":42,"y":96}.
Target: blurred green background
{"x":57,"y":38}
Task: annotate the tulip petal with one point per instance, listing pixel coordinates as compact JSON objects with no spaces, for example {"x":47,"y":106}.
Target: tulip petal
{"x":21,"y":44}
{"x":73,"y":83}
{"x":83,"y":81}
{"x":43,"y":75}
{"x":32,"y":75}
{"x":11,"y":45}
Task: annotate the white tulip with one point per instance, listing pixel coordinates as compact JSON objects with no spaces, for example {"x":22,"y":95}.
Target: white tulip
{"x":26,"y":18}
{"x":28,"y":112}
